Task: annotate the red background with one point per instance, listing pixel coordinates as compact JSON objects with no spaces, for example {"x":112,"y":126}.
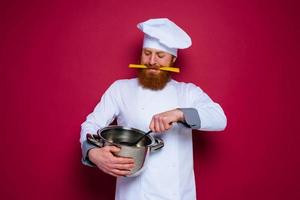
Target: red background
{"x":58,"y":57}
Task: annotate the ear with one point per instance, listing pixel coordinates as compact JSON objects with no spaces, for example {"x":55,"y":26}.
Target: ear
{"x":174,"y":59}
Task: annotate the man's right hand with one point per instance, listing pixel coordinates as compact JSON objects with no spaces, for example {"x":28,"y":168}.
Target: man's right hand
{"x":106,"y":161}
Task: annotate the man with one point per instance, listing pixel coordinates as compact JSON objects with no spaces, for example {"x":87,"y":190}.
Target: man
{"x":157,"y":102}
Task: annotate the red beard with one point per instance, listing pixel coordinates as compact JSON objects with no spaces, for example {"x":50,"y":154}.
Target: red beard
{"x":153,"y":81}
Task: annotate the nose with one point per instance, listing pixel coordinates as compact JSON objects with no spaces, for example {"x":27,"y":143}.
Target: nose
{"x":152,"y":60}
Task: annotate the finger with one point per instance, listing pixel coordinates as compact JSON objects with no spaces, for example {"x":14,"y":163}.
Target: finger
{"x":167,"y":124}
{"x":114,"y":171}
{"x":161,"y":124}
{"x":112,"y":174}
{"x":127,"y":167}
{"x":107,"y":171}
{"x":113,"y":149}
{"x":123,"y":160}
{"x":156,"y":124}
{"x":118,"y":172}
{"x":151,"y":126}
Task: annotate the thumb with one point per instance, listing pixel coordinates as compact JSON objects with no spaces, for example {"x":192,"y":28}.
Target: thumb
{"x":114,"y":149}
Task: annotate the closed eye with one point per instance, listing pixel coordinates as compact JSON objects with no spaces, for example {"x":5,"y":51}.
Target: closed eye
{"x":147,"y":53}
{"x":161,"y":55}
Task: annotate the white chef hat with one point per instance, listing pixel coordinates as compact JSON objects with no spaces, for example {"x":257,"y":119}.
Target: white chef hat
{"x":164,"y":35}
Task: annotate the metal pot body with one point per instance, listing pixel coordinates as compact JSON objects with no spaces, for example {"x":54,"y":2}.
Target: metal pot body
{"x":118,"y":135}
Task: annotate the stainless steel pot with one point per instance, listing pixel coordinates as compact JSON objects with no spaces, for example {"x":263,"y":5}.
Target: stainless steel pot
{"x":119,"y":136}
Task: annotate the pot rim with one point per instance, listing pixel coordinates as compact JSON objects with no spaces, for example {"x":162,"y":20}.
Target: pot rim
{"x":110,"y":127}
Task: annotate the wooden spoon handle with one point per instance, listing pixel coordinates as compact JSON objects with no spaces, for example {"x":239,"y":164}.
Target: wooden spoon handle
{"x":171,"y":69}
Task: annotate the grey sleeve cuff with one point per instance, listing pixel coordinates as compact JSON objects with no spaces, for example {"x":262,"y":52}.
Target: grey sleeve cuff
{"x":85,"y":148}
{"x":191,"y":117}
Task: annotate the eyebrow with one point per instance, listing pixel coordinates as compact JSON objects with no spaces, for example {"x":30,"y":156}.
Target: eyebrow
{"x":157,"y":52}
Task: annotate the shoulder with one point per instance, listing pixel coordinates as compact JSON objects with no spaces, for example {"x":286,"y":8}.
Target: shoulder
{"x":183,"y":86}
{"x":124,"y":83}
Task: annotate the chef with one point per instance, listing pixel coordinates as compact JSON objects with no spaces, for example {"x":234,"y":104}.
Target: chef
{"x":155,"y":101}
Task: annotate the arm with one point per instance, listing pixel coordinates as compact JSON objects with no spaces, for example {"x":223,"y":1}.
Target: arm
{"x":200,"y":113}
{"x":163,"y":121}
{"x":104,"y":113}
{"x":211,"y":115}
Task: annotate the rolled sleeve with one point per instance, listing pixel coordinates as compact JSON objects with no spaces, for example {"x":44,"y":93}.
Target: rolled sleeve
{"x":191,"y":117}
{"x":85,"y":149}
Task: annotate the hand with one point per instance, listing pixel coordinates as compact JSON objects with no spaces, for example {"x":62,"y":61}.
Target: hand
{"x":106,"y":161}
{"x":163,"y":121}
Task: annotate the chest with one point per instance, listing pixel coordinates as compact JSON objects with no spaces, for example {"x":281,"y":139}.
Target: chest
{"x":138,"y":106}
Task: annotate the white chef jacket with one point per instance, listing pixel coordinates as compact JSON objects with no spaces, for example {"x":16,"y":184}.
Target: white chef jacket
{"x":169,"y":172}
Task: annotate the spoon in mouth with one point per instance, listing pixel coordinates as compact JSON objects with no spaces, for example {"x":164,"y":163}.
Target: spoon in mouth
{"x":171,"y":69}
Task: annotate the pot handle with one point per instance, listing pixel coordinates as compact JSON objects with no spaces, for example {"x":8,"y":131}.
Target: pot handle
{"x":159,"y":143}
{"x":95,"y":140}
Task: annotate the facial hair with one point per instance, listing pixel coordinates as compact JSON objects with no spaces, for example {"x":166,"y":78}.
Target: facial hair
{"x":153,"y":81}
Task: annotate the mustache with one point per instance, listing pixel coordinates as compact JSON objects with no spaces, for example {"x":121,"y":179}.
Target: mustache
{"x":152,"y":66}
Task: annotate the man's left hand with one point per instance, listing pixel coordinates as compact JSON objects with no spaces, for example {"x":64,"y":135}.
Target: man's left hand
{"x":163,"y":121}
